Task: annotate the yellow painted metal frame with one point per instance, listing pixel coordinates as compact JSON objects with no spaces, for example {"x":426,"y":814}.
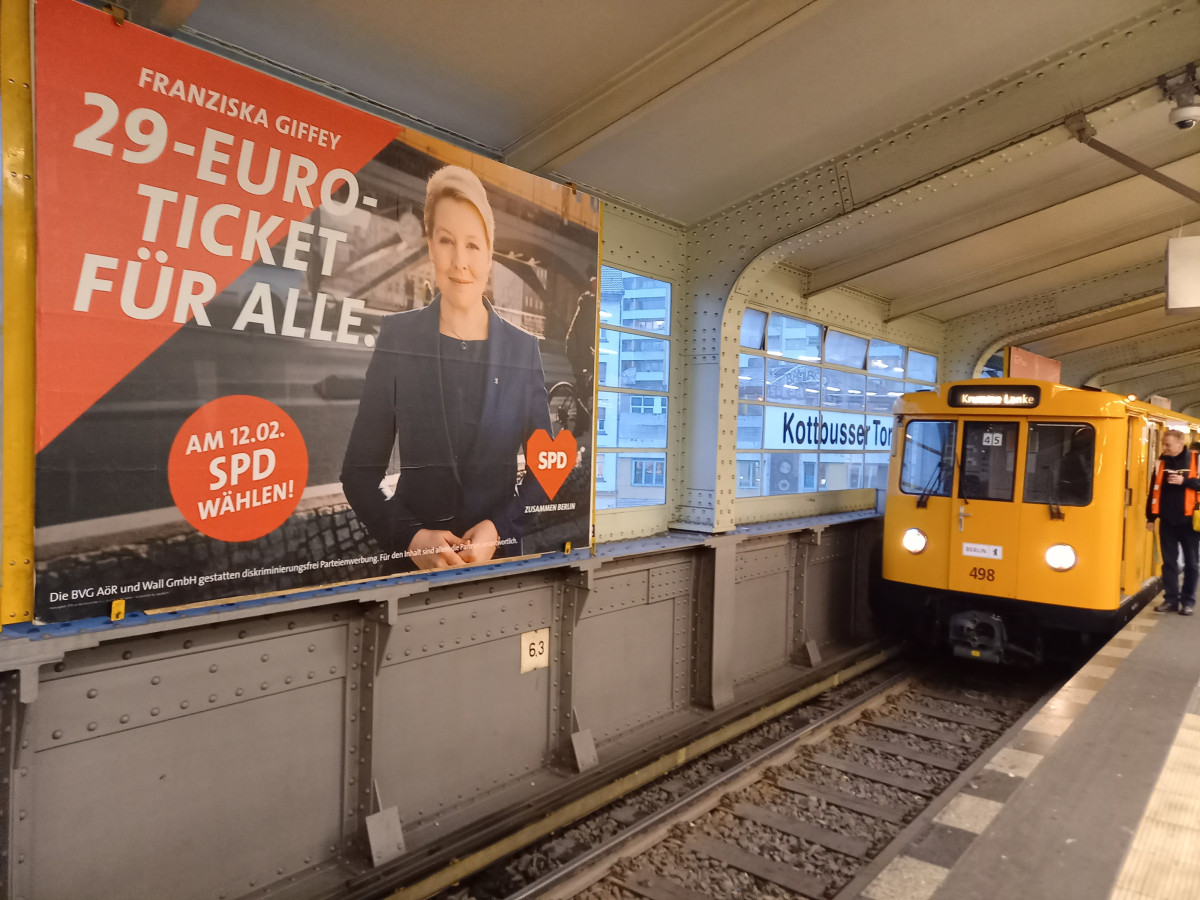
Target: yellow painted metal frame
{"x":16,"y":99}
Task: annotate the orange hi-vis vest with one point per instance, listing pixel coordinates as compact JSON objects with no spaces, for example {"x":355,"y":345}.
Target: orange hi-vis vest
{"x":1189,"y":495}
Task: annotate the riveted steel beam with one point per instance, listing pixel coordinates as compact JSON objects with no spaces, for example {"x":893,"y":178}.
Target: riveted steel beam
{"x":1118,"y":376}
{"x":730,"y":31}
{"x":1176,"y":339}
{"x":976,"y":337}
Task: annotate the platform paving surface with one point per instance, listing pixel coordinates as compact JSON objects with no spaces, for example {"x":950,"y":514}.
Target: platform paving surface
{"x":1067,"y":832}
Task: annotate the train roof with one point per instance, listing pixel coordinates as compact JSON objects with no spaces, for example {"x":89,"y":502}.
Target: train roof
{"x":1021,"y":396}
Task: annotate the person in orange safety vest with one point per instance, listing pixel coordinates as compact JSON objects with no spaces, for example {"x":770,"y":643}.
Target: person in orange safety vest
{"x":1172,"y":500}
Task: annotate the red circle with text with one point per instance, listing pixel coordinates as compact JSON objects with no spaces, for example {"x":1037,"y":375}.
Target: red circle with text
{"x":237,"y":468}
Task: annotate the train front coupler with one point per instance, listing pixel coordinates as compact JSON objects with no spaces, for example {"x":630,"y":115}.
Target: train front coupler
{"x":984,"y":636}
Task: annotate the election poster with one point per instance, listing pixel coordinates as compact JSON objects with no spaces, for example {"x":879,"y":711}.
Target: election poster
{"x":283,"y":343}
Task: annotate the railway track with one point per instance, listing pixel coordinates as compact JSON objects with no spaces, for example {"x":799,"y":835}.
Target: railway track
{"x":807,"y":805}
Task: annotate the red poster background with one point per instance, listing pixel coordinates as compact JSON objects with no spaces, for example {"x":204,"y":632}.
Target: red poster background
{"x":89,"y":203}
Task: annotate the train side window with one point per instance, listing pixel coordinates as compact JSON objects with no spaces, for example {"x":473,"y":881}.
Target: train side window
{"x":989,"y":461}
{"x":928,"y":465}
{"x":1059,"y":463}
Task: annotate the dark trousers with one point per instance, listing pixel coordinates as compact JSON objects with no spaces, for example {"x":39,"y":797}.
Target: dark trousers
{"x":1172,"y":536}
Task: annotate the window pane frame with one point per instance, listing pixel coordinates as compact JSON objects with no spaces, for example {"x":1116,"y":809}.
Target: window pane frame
{"x":617,"y":403}
{"x":851,"y":340}
{"x":749,"y":474}
{"x":919,"y":356}
{"x":622,"y":351}
{"x":752,"y":325}
{"x":619,"y":325}
{"x":608,"y":495}
{"x":778,"y":346}
{"x":752,"y":370}
{"x":791,"y":391}
{"x":877,"y":355}
{"x":850,"y":393}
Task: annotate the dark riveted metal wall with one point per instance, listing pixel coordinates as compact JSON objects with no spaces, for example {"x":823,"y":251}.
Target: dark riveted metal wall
{"x":219,"y":760}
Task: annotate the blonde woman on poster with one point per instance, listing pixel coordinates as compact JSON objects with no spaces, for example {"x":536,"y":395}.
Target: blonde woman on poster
{"x":460,"y":391}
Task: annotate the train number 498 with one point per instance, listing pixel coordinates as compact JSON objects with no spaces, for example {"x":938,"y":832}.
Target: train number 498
{"x":979,"y":573}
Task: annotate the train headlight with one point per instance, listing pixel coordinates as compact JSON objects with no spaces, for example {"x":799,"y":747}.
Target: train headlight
{"x":914,"y":540}
{"x":1061,"y":557}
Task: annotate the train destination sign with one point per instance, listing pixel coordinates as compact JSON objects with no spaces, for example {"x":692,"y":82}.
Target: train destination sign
{"x":1007,"y":397}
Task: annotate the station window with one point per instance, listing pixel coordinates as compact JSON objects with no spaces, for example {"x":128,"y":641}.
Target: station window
{"x":843,"y":390}
{"x":793,"y":338}
{"x":845,"y":350}
{"x":754,"y":325}
{"x":750,"y":377}
{"x":789,"y":382}
{"x":815,"y":404}
{"x":922,"y":366}
{"x":634,"y":365}
{"x":749,"y":475}
{"x":787,"y":473}
{"x":882,"y":394}
{"x":749,"y":425}
{"x":875,"y":468}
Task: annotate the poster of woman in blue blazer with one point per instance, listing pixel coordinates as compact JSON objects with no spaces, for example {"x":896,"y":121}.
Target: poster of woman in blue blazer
{"x":323,"y":357}
{"x":458,"y":391}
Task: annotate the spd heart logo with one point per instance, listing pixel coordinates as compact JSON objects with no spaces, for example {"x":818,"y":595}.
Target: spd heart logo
{"x":550,"y":459}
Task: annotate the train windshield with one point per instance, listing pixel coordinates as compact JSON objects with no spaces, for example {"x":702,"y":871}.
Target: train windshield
{"x":989,"y":461}
{"x":928,"y":465}
{"x":1059,"y":463}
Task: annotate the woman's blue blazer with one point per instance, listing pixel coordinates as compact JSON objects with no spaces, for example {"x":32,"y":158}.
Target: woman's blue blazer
{"x":402,"y":404}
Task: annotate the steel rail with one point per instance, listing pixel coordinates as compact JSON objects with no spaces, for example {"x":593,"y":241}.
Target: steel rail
{"x":705,"y":791}
{"x":897,"y":845}
{"x":468,"y":861}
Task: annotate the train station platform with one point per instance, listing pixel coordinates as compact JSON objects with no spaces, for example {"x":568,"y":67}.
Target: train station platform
{"x":1096,"y":796}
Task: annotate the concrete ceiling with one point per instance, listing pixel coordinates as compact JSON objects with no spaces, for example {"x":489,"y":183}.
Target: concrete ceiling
{"x":960,"y":190}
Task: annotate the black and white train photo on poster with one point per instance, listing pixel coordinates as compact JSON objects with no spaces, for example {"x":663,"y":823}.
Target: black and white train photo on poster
{"x":397,"y":380}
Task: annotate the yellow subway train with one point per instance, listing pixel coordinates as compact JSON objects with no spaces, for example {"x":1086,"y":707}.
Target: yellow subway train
{"x":1015,"y":516}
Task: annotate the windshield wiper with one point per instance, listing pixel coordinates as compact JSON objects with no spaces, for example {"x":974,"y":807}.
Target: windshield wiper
{"x":1054,"y":475}
{"x":1054,"y":507}
{"x":934,"y":481}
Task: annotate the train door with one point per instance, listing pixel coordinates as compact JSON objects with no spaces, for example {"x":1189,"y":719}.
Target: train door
{"x":1151,"y":448}
{"x":1154,"y":434}
{"x":985,"y":513}
{"x":1136,"y":552}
